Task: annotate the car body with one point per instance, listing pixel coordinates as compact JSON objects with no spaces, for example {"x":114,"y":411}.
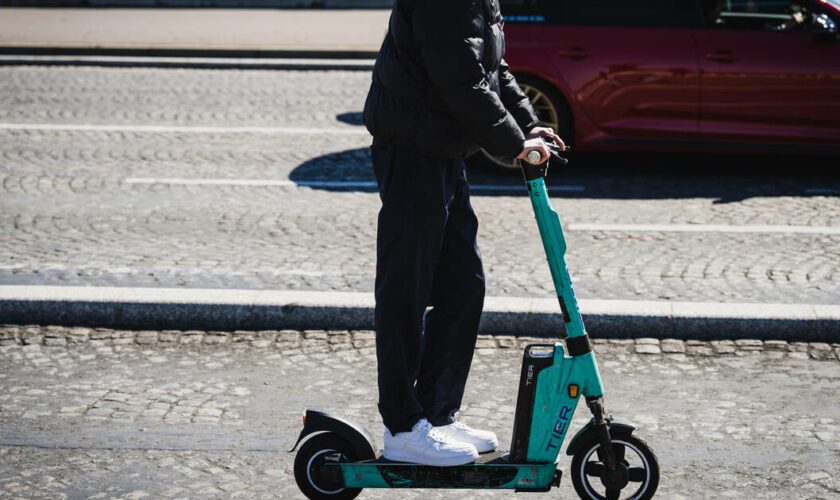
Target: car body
{"x":728,"y":75}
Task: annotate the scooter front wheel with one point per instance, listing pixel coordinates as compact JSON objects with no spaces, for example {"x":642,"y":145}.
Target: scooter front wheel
{"x":312,"y":479}
{"x":636,"y":477}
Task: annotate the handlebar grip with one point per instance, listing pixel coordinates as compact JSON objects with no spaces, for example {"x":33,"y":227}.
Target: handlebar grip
{"x":534,"y":157}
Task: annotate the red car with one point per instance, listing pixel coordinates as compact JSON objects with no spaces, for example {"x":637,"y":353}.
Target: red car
{"x":714,"y":75}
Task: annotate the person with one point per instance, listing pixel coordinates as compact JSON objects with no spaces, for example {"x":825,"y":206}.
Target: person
{"x":440,"y":91}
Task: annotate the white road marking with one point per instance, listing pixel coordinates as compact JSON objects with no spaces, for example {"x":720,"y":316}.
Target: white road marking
{"x":62,"y":267}
{"x":188,"y":129}
{"x":706,"y":228}
{"x":181,"y":181}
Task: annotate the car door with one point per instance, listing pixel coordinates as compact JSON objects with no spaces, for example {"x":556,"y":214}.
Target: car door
{"x":767,"y":75}
{"x":629,"y":66}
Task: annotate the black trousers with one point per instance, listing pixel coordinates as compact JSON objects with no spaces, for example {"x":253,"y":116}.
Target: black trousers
{"x":429,"y":286}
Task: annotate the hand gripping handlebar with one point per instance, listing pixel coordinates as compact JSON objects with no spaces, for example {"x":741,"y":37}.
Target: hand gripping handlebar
{"x":554,"y":154}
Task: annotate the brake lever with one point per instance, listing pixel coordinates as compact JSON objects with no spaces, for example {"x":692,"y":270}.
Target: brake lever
{"x":555,"y":151}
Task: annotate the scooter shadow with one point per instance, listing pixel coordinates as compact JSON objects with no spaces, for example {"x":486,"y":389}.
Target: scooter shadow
{"x":639,"y":175}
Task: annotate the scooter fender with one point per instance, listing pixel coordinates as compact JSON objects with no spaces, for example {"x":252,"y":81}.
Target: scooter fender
{"x":587,"y":435}
{"x":316,"y":422}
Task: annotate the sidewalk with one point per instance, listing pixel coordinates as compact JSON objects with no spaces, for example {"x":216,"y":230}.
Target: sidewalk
{"x":240,"y":32}
{"x":208,"y":415}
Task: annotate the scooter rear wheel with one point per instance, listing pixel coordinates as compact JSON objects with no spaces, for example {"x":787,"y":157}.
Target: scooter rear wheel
{"x":639,"y":470}
{"x":309,"y":467}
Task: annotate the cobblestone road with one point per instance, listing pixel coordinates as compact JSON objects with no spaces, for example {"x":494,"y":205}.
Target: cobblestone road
{"x":114,"y":414}
{"x":70,"y":214}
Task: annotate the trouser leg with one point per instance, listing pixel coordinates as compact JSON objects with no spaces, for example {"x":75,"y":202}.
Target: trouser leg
{"x":457,"y":299}
{"x":415,"y":191}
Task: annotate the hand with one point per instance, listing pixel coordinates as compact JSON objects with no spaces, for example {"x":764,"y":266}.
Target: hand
{"x":534,"y":144}
{"x":546,"y":133}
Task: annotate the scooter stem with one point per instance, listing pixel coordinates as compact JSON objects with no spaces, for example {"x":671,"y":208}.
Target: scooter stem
{"x":554,"y":243}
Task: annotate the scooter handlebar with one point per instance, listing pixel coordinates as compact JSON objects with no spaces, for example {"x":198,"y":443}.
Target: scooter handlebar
{"x":554,"y":154}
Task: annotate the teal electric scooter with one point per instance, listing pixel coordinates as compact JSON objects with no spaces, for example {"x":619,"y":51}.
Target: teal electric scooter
{"x":338,"y":458}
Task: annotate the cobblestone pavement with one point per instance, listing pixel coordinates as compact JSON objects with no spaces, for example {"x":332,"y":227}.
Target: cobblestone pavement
{"x":92,"y":413}
{"x":68,"y":214}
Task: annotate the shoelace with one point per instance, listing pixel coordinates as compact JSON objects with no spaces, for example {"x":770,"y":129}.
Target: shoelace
{"x":460,"y":425}
{"x":430,"y":431}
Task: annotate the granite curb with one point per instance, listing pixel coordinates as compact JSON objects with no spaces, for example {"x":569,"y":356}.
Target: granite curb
{"x":219,"y":309}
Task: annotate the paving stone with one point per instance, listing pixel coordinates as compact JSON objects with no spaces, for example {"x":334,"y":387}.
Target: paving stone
{"x":55,"y":342}
{"x":191,"y":337}
{"x":146,"y":337}
{"x":290,"y":338}
{"x":215,"y":338}
{"x":821,"y":351}
{"x":749,"y":345}
{"x":341,"y":337}
{"x":798,"y":347}
{"x":648,"y":349}
{"x":819,"y":346}
{"x":723,"y":346}
{"x":31,"y":335}
{"x":119,"y":337}
{"x":649,"y":341}
{"x":672,"y":346}
{"x":167,"y":336}
{"x":242,"y":336}
{"x":315,"y":335}
{"x":699,"y":349}
{"x":485,"y":342}
{"x":776,"y":345}
{"x":506,"y":342}
{"x":267,"y":336}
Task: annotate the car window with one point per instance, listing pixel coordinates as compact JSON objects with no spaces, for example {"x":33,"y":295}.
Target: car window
{"x":642,"y":13}
{"x":766,"y":15}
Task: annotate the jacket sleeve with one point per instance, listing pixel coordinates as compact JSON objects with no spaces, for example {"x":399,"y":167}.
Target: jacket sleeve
{"x":515,"y":101}
{"x":449,"y":36}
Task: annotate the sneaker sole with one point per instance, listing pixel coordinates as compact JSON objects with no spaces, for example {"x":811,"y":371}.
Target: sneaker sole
{"x":443,"y":462}
{"x":488,"y":449}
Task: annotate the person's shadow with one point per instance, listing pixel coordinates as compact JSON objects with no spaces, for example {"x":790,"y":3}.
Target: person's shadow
{"x":350,"y":118}
{"x":348,"y":170}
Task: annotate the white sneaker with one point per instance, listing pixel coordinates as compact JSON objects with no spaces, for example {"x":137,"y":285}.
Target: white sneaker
{"x":483,"y":441}
{"x":426,"y":446}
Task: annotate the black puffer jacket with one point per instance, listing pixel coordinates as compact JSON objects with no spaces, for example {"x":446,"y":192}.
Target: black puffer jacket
{"x":440,"y":83}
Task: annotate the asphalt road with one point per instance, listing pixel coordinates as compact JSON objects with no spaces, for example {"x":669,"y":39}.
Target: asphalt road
{"x":111,"y":414}
{"x":233,"y":178}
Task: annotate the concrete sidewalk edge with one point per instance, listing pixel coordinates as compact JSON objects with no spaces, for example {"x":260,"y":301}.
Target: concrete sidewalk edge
{"x":219,"y":309}
{"x":175,"y":52}
{"x":242,"y":63}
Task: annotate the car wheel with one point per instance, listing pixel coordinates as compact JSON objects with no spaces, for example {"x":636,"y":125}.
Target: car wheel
{"x":552,"y":111}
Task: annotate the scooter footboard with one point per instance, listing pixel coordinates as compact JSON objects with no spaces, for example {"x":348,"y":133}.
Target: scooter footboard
{"x":491,"y":470}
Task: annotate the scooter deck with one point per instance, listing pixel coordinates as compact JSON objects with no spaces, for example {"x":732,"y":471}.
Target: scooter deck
{"x":490,"y":470}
